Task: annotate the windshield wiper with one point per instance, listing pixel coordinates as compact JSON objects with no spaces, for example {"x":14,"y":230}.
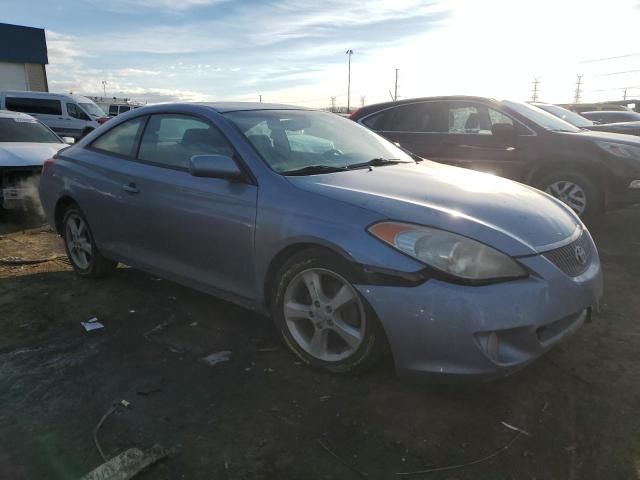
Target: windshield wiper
{"x":377,"y":162}
{"x":314,"y":169}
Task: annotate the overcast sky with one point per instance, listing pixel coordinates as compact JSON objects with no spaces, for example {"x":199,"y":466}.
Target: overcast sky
{"x":294,"y":50}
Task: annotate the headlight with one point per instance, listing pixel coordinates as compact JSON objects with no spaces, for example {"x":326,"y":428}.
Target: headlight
{"x":620,"y":149}
{"x":448,"y":252}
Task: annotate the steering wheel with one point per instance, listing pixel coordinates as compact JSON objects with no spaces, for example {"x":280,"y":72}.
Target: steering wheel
{"x":333,"y":152}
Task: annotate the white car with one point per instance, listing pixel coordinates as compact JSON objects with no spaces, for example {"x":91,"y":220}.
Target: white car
{"x":25,"y":144}
{"x":67,"y":115}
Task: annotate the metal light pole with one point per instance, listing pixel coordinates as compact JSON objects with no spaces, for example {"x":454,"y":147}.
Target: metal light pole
{"x":349,"y":52}
{"x":395,"y":92}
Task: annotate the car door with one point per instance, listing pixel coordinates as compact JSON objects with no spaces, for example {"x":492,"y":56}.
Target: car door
{"x":471,"y":140}
{"x":76,"y":120}
{"x":418,"y":127}
{"x":198,"y":229}
{"x":106,"y":166}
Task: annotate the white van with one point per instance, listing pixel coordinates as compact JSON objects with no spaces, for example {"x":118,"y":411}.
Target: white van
{"x":67,"y":115}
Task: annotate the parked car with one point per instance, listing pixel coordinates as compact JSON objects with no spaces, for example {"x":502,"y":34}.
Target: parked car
{"x":67,"y":115}
{"x":348,"y":249}
{"x":627,"y":128}
{"x":569,"y":116}
{"x":25,"y":144}
{"x":590,"y":171}
{"x":588,"y":107}
{"x":116,"y":109}
{"x":611,"y":116}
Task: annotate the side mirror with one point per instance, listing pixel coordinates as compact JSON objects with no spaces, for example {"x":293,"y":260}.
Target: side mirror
{"x":504,"y":131}
{"x":69,"y":140}
{"x":215,"y":166}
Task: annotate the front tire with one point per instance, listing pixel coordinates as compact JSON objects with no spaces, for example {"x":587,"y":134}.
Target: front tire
{"x":576,"y":190}
{"x":322,"y":317}
{"x":85,"y":258}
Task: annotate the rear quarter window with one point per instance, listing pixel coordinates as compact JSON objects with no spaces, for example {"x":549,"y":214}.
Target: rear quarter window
{"x":121,"y":140}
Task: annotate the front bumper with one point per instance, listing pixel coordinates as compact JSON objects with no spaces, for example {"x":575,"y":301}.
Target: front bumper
{"x":484,"y":331}
{"x":19,"y":187}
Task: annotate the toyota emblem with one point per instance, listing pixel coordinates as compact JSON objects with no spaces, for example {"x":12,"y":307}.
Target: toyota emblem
{"x":581,"y":255}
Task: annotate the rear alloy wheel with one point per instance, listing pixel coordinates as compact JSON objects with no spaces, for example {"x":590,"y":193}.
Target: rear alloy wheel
{"x":575,"y":190}
{"x":322,"y":317}
{"x":81,"y":249}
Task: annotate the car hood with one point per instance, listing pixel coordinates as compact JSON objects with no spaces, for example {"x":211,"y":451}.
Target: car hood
{"x":27,"y":154}
{"x":509,"y":216}
{"x":596,"y":134}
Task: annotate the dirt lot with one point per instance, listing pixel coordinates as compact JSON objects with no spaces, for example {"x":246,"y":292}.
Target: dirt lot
{"x":262,"y":415}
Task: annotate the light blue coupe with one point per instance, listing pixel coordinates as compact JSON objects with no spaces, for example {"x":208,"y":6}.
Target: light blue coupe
{"x":346,"y":241}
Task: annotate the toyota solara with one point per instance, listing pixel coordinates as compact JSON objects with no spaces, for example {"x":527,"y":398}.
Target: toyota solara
{"x":351,"y":245}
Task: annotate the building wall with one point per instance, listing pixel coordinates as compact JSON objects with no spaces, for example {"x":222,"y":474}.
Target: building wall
{"x":36,"y":77}
{"x":23,"y":76}
{"x":13,"y":76}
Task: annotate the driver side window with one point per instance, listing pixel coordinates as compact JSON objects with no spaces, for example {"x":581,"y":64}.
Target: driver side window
{"x":74,"y":111}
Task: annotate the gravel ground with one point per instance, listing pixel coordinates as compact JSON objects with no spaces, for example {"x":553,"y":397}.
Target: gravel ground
{"x":262,"y":415}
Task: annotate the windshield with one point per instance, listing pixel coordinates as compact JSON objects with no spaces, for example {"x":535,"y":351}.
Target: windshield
{"x":92,"y":109}
{"x":540,"y":117}
{"x":25,"y":130}
{"x":567,"y":115}
{"x":291,"y":140}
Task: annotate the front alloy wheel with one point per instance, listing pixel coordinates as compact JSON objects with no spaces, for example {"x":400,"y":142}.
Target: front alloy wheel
{"x":322,"y":317}
{"x":569,"y":193}
{"x":576,"y":190}
{"x":324,"y":314}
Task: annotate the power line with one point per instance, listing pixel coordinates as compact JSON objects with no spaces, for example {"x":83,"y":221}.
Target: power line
{"x":615,"y":73}
{"x":610,"y":58}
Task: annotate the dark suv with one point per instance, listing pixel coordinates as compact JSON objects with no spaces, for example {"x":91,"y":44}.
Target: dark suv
{"x":590,"y":171}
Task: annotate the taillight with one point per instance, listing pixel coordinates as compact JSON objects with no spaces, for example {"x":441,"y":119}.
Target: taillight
{"x":354,"y":113}
{"x":101,"y":120}
{"x":47,"y":163}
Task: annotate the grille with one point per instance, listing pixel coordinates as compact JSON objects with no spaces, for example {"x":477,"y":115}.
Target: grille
{"x":565,"y":257}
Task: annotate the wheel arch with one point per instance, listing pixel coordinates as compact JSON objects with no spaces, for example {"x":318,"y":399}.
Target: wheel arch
{"x":591,"y":170}
{"x":58,"y":213}
{"x":287,"y":252}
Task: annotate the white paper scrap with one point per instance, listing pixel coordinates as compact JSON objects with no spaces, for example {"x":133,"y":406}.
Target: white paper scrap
{"x":92,"y":324}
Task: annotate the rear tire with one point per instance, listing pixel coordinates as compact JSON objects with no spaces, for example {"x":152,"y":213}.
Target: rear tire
{"x":83,"y":254}
{"x":321,"y":317}
{"x":576,"y":190}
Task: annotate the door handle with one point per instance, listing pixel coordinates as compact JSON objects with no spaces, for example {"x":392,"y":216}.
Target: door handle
{"x":130,"y":188}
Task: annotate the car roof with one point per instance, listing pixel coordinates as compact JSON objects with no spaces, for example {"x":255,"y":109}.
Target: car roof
{"x":25,"y":93}
{"x":224,"y":107}
{"x":598,"y":112}
{"x":10,"y":114}
{"x":380,"y":106}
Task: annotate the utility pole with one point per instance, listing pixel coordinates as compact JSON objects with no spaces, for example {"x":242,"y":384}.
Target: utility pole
{"x":349,"y":52}
{"x":534,"y":96}
{"x":576,"y":97}
{"x":624,"y":96}
{"x":333,"y":104}
{"x":260,"y":98}
{"x":395,"y":94}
